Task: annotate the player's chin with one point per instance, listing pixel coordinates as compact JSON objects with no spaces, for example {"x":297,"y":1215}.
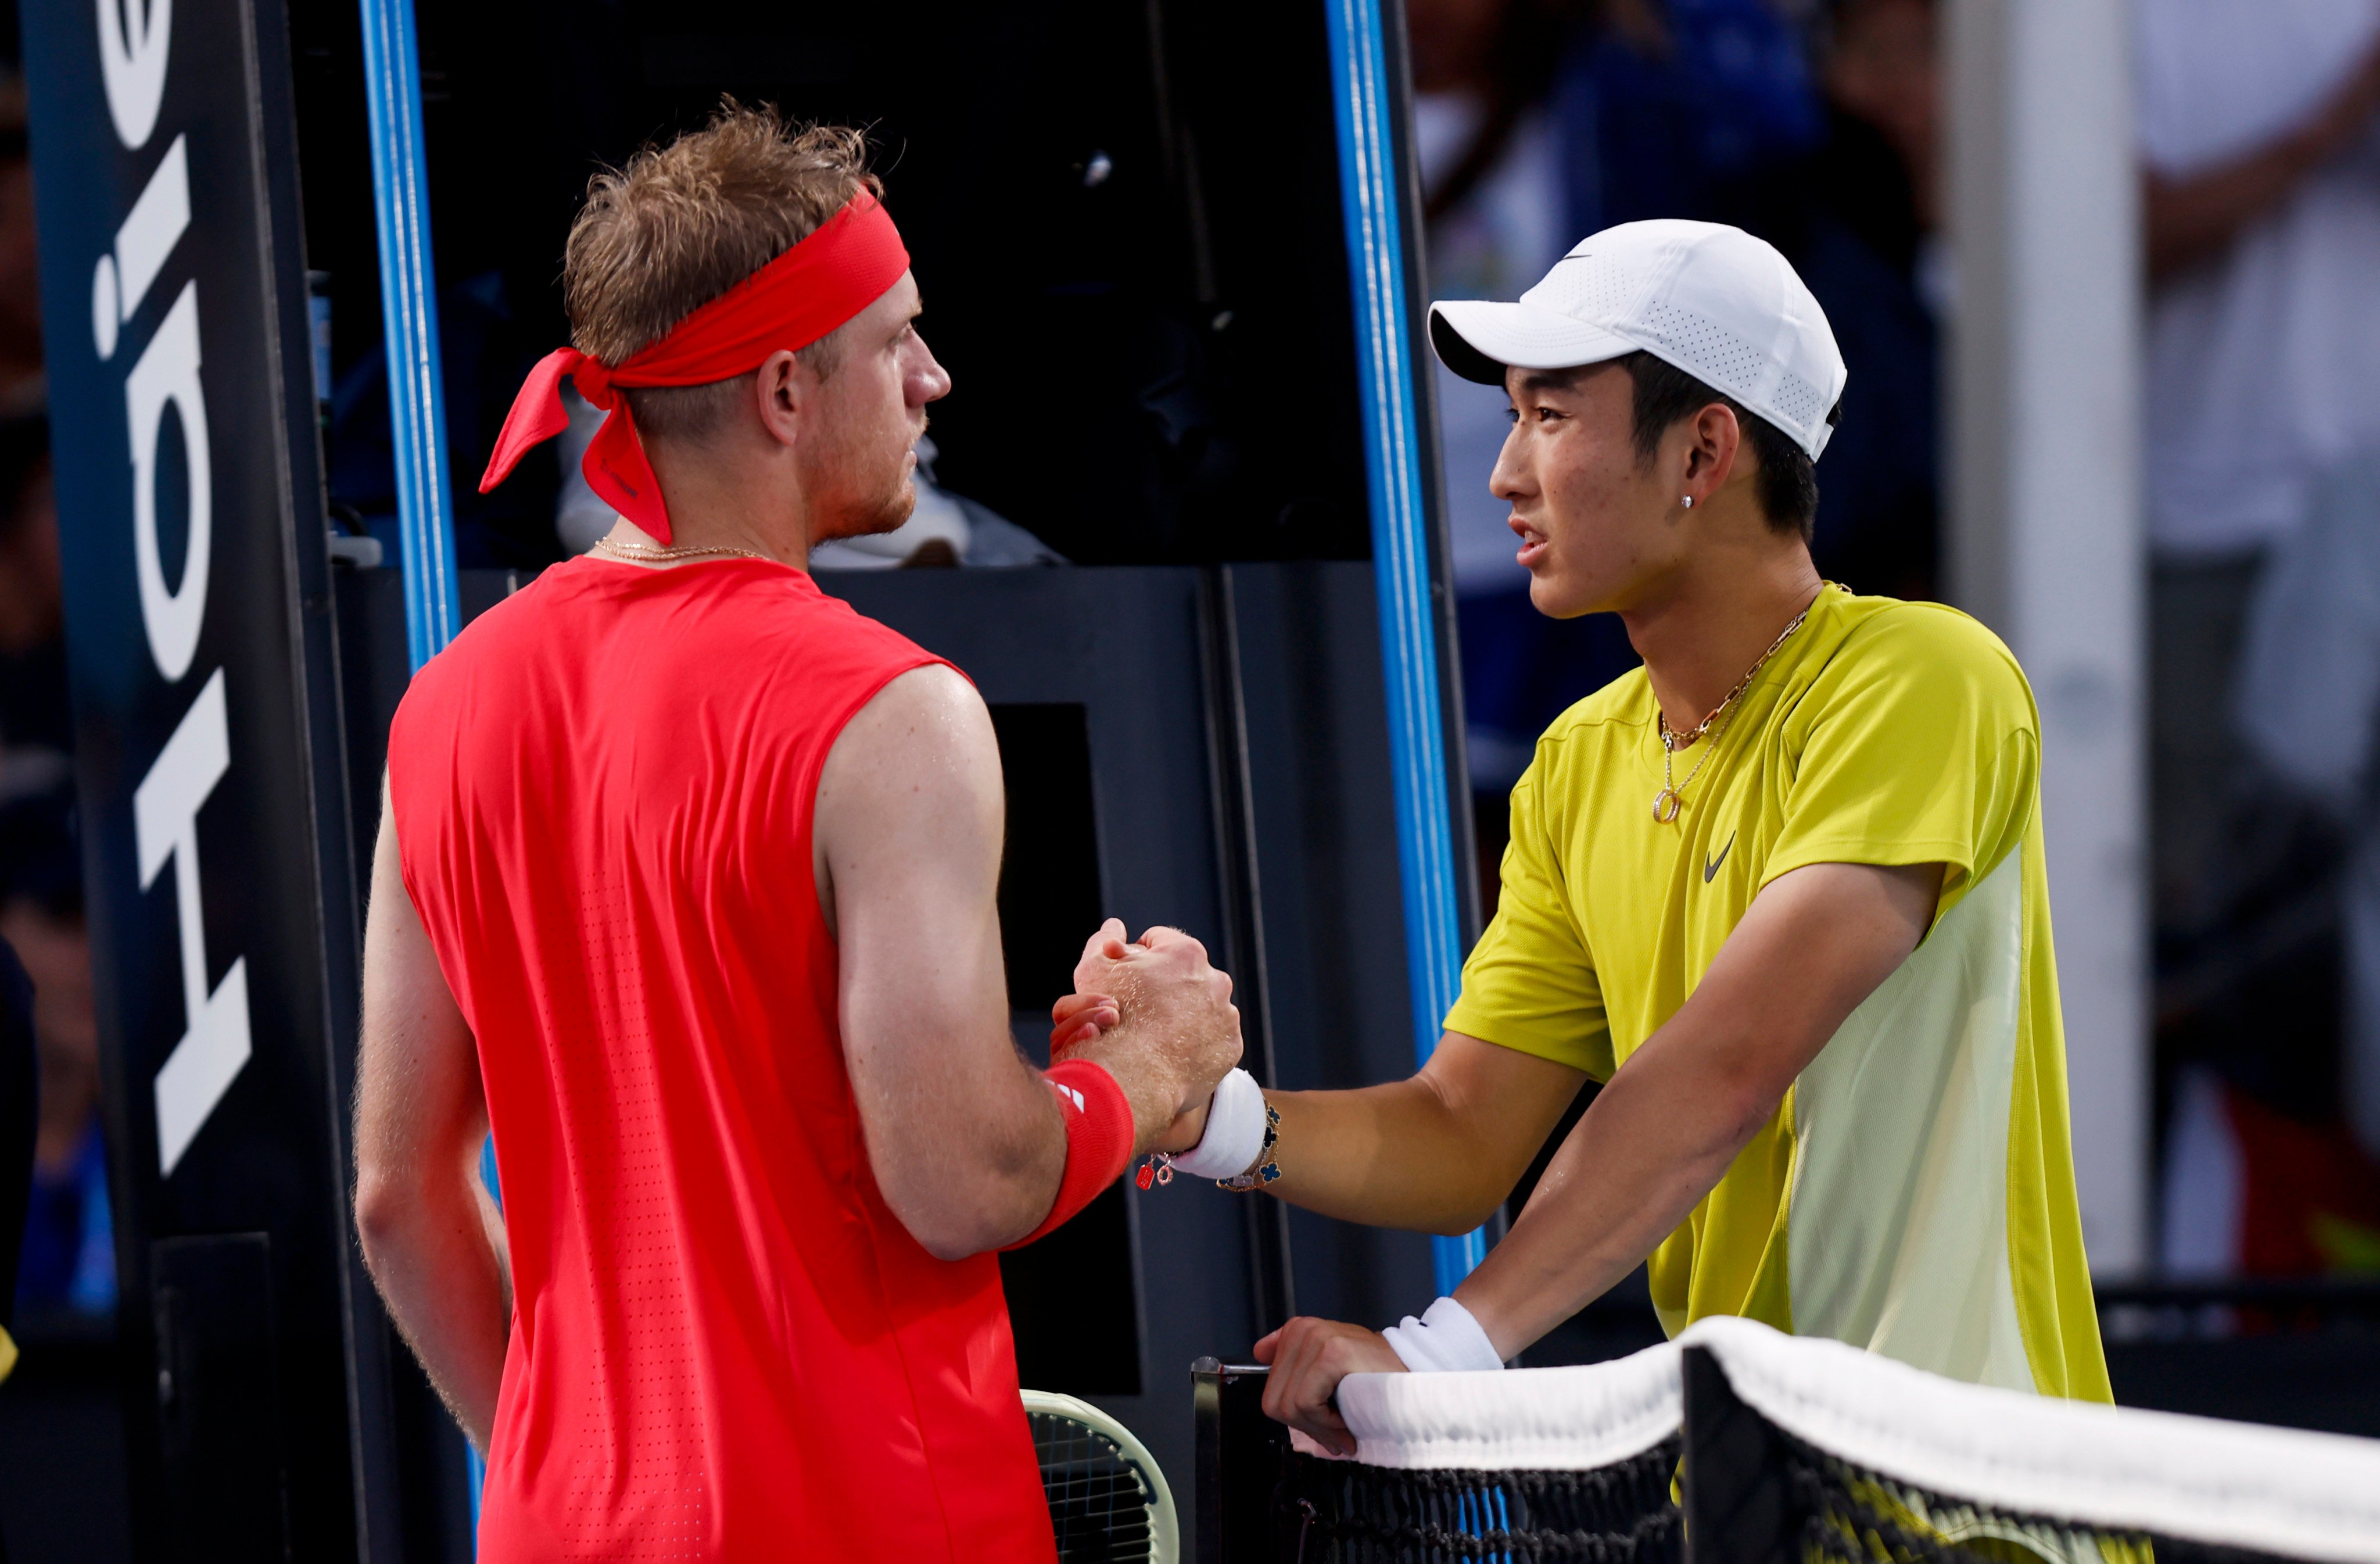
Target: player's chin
{"x":885,"y":514}
{"x":1554,"y":593}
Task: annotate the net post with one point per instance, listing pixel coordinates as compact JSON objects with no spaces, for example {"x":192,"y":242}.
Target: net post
{"x":1237,"y":1460}
{"x":1738,"y":1509}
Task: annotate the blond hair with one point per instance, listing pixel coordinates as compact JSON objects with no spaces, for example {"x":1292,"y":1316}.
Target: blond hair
{"x":683,"y":224}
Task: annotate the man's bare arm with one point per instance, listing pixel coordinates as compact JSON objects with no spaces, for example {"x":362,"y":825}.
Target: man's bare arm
{"x":966,"y":1139}
{"x":431,"y":1237}
{"x":1437,"y":1152}
{"x":1814,"y":943}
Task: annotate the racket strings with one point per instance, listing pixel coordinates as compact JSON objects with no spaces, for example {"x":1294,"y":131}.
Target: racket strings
{"x":1098,"y":1501}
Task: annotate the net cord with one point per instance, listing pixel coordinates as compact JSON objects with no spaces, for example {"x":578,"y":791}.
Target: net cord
{"x":2314,"y":1496}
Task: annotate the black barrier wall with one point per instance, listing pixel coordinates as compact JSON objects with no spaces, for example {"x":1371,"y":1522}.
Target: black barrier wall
{"x":203,"y":676}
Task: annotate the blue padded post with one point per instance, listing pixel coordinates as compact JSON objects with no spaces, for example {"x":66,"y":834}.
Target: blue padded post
{"x":408,"y":306}
{"x":1364,"y":98}
{"x":417,"y":395}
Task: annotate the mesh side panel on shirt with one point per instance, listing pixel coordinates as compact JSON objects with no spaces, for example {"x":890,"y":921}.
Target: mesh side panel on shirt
{"x":1847,"y":1514}
{"x":639,"y":1457}
{"x":1344,"y":1512}
{"x":1098,"y":1505}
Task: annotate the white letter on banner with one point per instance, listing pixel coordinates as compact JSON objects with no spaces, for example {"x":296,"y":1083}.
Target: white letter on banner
{"x":150,"y":230}
{"x":168,"y":372}
{"x":132,"y":46}
{"x":165,"y":827}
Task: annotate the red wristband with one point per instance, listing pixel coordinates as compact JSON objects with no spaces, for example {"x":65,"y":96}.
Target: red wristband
{"x":1098,"y":1138}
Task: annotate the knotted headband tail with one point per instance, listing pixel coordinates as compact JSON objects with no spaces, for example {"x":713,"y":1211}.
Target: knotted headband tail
{"x":538,"y":414}
{"x":791,"y":302}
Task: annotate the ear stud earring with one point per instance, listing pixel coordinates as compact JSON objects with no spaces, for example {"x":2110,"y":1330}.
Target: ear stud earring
{"x":1688,"y":501}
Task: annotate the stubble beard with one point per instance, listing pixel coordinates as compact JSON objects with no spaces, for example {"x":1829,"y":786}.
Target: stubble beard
{"x":868,"y":516}
{"x":885,"y":514}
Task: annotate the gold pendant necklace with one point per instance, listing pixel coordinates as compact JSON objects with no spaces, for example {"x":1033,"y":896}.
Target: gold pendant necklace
{"x":638,"y":554}
{"x":1672,"y":798}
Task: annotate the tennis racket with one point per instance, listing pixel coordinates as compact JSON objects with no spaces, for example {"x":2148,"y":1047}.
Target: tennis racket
{"x":1108,"y":1497}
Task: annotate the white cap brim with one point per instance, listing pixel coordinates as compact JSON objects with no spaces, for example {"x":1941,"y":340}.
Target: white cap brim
{"x":1479,"y":339}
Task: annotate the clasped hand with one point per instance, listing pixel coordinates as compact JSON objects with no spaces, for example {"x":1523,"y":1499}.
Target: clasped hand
{"x":1309,"y":1356}
{"x":1152,"y":1009}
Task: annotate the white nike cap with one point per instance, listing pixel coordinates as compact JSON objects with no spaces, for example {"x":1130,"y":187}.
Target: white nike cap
{"x":1707,"y":298}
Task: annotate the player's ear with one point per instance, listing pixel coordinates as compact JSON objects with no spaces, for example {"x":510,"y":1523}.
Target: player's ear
{"x":782,"y":387}
{"x":1715,"y":439}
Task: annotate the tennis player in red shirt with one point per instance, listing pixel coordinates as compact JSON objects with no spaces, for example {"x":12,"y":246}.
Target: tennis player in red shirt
{"x":684,"y":887}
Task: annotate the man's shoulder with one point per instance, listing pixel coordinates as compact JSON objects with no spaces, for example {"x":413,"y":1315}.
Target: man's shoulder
{"x":1892,"y":648}
{"x":1920,"y":629}
{"x":517,"y":626}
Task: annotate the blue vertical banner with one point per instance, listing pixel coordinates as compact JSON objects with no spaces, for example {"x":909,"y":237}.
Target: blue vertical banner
{"x":408,"y":306}
{"x":1366,"y":101}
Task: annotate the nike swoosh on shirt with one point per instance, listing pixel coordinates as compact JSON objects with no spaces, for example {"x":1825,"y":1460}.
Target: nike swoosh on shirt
{"x":1710,"y":868}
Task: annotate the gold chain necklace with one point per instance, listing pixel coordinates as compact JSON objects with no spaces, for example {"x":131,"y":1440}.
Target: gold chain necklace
{"x":1670,"y":799}
{"x":638,"y":554}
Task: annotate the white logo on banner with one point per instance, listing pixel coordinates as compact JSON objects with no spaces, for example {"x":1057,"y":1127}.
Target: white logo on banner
{"x":134,"y":41}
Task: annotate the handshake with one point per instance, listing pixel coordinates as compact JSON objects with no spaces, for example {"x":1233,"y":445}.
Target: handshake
{"x":1155,"y":1015}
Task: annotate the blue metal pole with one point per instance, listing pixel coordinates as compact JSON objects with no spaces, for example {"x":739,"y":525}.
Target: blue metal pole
{"x":1401,"y":551}
{"x":416,"y":394}
{"x":409,"y":307}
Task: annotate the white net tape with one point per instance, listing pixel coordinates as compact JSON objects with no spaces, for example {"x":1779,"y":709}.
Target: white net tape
{"x":2281,"y":1491}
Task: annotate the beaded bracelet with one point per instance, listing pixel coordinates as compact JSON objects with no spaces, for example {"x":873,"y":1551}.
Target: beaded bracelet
{"x":1268,"y":1168}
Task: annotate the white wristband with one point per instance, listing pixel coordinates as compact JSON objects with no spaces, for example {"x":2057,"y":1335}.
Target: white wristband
{"x":1446,"y":1338}
{"x":1234,"y":1134}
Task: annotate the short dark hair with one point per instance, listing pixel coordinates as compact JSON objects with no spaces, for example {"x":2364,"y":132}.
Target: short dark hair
{"x":1788,"y":483}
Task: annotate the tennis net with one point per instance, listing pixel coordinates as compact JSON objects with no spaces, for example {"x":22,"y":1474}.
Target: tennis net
{"x":1788,"y":1451}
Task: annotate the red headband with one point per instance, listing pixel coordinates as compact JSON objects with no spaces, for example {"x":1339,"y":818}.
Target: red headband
{"x":789,"y":303}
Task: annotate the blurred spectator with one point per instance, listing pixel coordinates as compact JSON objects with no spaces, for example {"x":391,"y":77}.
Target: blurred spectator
{"x":2262,"y":216}
{"x":19,"y":1098}
{"x":35,"y":730}
{"x":1860,"y":220}
{"x":22,"y":387}
{"x":69,"y":1258}
{"x":1495,"y":190}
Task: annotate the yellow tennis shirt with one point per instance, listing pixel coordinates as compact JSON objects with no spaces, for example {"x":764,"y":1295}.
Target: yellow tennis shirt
{"x":1914,"y":1194}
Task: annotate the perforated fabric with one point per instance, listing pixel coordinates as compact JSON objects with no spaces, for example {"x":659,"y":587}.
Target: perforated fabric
{"x":724,"y":1346}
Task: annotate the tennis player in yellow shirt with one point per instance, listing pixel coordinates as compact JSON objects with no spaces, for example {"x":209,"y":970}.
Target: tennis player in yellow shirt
{"x":1781,"y":890}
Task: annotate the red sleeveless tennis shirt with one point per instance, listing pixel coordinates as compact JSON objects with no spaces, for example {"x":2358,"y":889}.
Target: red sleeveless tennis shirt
{"x":724,"y":1345}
